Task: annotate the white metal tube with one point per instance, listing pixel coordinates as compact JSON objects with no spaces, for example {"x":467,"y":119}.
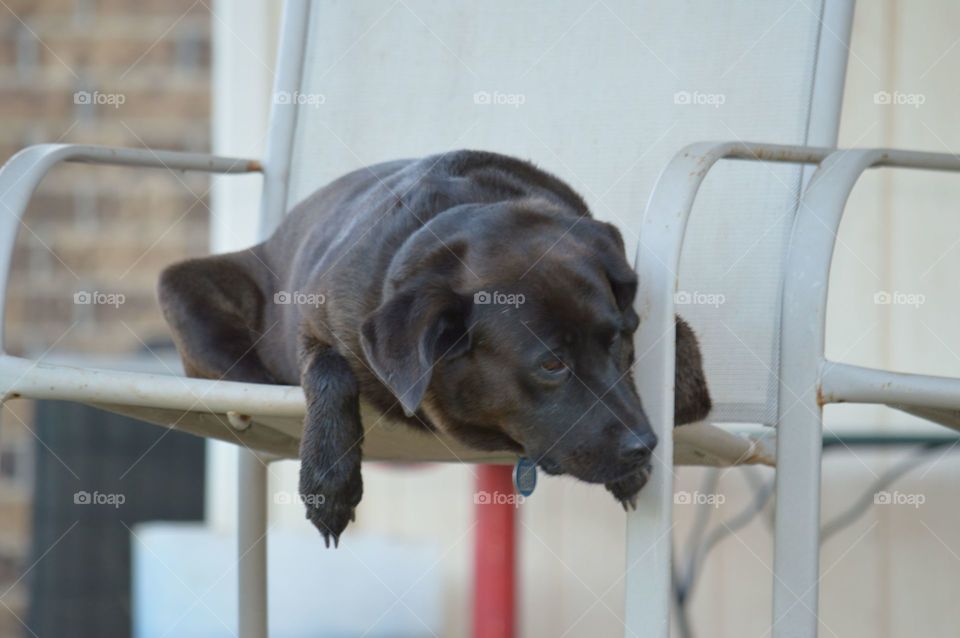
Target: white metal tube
{"x":829,"y":76}
{"x":283,"y":113}
{"x":844,"y":383}
{"x":830,"y":72}
{"x":23,"y":172}
{"x":43,"y":381}
{"x":799,"y":424}
{"x":252,"y":545}
{"x":252,"y":511}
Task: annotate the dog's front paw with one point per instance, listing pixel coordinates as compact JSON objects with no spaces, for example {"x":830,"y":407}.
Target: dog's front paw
{"x":626,"y":489}
{"x":330,"y":505}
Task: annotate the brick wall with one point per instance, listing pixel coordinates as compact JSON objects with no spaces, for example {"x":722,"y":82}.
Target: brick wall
{"x":125,"y":73}
{"x":117,"y":72}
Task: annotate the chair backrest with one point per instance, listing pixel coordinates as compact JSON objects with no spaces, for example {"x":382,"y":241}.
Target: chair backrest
{"x":602,"y":95}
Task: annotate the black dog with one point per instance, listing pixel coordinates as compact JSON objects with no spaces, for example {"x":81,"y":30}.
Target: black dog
{"x":469,"y":293}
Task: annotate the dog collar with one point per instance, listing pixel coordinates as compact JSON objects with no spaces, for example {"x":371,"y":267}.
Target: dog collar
{"x":525,"y":476}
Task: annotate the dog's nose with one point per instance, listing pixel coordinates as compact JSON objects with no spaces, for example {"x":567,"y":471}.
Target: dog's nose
{"x":637,"y":447}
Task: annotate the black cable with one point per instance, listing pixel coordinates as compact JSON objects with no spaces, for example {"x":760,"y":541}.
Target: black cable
{"x":756,"y":484}
{"x":861,"y":505}
{"x":683,"y":588}
{"x":683,"y":582}
{"x":700,"y":522}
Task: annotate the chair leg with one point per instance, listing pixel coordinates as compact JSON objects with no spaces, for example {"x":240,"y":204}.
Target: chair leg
{"x":649,"y":545}
{"x":648,"y":576}
{"x":252,"y":545}
{"x":796,"y":562}
{"x":649,"y":528}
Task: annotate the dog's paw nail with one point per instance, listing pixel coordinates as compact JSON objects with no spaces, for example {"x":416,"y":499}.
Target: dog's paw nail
{"x":329,"y":537}
{"x":330,"y":507}
{"x":330,"y":518}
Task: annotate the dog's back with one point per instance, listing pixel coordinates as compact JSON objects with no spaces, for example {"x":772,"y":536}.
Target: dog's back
{"x":340,"y":241}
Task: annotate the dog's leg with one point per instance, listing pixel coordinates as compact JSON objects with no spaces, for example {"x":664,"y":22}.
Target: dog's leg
{"x":214,"y":309}
{"x":691,"y":396}
{"x":330,"y":481}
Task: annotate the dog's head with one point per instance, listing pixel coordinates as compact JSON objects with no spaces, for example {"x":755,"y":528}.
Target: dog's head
{"x":512,"y":327}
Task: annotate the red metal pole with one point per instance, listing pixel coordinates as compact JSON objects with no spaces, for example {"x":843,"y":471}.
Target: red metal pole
{"x":494,"y":567}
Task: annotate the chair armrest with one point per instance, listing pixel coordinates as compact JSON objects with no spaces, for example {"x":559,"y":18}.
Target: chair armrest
{"x":803,"y":323}
{"x":658,"y":259}
{"x":22,"y":173}
{"x":657,"y":262}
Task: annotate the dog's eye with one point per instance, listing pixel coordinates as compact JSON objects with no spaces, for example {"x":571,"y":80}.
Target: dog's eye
{"x":553,"y":366}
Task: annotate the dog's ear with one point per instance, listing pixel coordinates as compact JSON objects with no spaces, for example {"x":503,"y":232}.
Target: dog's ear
{"x":623,"y":279}
{"x":409,"y":333}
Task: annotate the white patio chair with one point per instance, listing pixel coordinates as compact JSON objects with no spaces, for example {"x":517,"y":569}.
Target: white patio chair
{"x":756,"y":353}
{"x":805,"y":380}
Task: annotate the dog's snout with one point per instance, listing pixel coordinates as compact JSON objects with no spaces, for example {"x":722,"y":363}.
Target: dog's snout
{"x":638,"y":446}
